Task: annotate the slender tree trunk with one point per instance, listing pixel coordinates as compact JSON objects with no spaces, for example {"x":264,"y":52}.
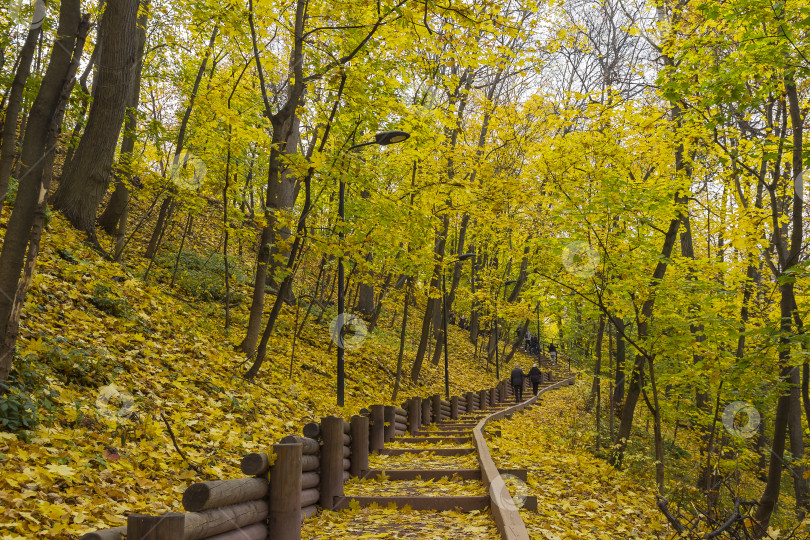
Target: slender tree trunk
{"x":432,"y":303}
{"x":596,"y":390}
{"x":168,"y":205}
{"x":8,"y":149}
{"x":402,"y":334}
{"x":618,"y":391}
{"x":45,"y":120}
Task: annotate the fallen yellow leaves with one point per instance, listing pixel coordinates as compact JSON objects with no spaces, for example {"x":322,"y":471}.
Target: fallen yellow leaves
{"x":579,"y":496}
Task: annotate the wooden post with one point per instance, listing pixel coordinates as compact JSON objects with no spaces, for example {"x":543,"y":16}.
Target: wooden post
{"x":493,"y":400}
{"x":482,"y":399}
{"x":426,"y":412}
{"x":377,"y":437}
{"x":470,"y":403}
{"x":390,"y":416}
{"x":165,"y":527}
{"x":436,"y":400}
{"x":454,"y":407}
{"x":359,"y":455}
{"x":414,"y":417}
{"x":331,"y":461}
{"x":285,"y":493}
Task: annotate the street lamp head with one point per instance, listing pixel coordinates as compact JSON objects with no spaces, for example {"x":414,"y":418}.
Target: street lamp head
{"x":466,"y":256}
{"x":390,"y":137}
{"x":511,"y":282}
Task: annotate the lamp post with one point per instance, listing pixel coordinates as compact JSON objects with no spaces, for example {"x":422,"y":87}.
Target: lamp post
{"x":383,"y":139}
{"x":464,"y":257}
{"x":497,"y":361}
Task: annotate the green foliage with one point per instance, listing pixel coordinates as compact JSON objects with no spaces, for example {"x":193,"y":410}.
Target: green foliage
{"x":79,"y":366}
{"x":104,"y":299}
{"x":17,"y":410}
{"x":203,"y":277}
{"x":11,"y":193}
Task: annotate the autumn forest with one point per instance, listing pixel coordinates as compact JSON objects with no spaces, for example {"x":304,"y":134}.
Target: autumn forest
{"x":223,"y":223}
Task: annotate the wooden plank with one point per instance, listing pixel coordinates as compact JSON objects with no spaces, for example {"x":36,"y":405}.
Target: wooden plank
{"x":435,"y":474}
{"x":459,"y":503}
{"x":453,"y":439}
{"x":435,"y":451}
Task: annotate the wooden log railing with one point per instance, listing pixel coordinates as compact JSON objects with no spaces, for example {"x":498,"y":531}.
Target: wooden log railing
{"x":296,"y":477}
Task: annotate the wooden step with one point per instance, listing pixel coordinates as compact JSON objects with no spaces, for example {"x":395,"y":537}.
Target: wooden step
{"x":435,"y":474}
{"x":453,"y":439}
{"x":456,"y":433}
{"x":462,"y":503}
{"x":419,"y":502}
{"x":436,"y":451}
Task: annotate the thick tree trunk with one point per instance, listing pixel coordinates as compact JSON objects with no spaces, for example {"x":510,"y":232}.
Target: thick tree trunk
{"x":32,"y":192}
{"x":86,"y":178}
{"x":114,"y":218}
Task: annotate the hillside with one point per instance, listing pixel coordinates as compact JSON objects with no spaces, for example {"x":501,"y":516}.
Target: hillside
{"x":105,"y":357}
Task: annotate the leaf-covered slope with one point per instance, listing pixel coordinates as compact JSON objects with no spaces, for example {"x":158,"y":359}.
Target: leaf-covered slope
{"x":109,"y":362}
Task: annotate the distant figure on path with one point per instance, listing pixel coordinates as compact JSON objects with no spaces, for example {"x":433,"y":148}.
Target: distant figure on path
{"x":552,"y":352}
{"x":534,"y":378}
{"x":516,"y":378}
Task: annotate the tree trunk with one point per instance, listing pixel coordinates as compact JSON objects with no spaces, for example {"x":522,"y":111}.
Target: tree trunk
{"x":8,"y":150}
{"x":32,"y":192}
{"x":596,"y":390}
{"x":618,"y":391}
{"x":85,"y":179}
{"x":402,"y":334}
{"x":432,"y":303}
{"x":114,"y":218}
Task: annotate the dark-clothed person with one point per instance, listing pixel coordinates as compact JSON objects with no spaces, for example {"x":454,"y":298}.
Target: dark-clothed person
{"x":516,"y":378}
{"x":534,"y":378}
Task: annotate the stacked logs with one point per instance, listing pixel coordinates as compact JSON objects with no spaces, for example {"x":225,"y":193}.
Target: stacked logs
{"x":444,"y":407}
{"x":482,"y":399}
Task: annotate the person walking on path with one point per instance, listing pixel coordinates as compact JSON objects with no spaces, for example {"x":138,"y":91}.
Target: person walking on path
{"x":516,"y":378}
{"x":534,"y":378}
{"x":552,"y":352}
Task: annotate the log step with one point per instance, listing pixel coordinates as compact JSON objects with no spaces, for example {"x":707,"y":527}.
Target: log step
{"x":457,"y":433}
{"x":416,"y":502}
{"x":435,"y":451}
{"x":467,"y":503}
{"x":454,"y":439}
{"x":436,"y":474}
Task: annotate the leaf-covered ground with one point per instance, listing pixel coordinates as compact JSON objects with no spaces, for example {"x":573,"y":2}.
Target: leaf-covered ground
{"x":106,"y":357}
{"x":579,"y":496}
